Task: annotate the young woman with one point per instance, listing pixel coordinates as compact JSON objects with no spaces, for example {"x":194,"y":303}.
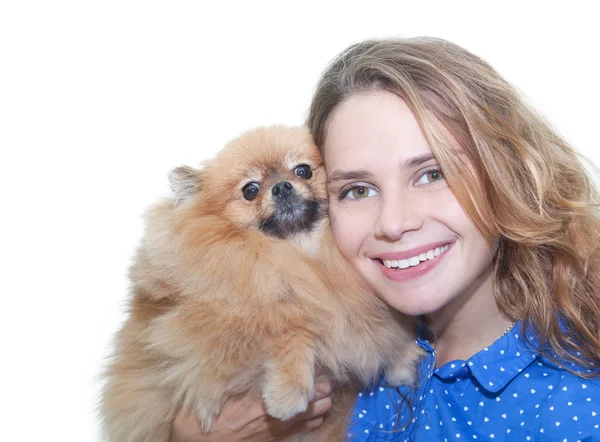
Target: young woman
{"x":457,"y":203}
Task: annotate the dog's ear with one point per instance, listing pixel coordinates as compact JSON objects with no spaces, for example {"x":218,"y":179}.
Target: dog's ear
{"x":185,"y":182}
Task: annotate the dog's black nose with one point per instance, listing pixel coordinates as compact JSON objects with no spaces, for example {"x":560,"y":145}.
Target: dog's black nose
{"x":282,"y":189}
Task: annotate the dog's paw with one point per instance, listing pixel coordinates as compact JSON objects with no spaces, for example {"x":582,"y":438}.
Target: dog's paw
{"x":400,"y":375}
{"x":206,"y":414}
{"x":284,"y":402}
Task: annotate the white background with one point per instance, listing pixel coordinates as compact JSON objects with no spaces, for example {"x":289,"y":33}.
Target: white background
{"x":99,"y":100}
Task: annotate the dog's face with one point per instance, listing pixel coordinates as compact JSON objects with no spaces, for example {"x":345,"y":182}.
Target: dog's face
{"x":270,"y":179}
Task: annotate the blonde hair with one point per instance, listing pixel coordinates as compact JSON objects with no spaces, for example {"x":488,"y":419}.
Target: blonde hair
{"x":522,"y":183}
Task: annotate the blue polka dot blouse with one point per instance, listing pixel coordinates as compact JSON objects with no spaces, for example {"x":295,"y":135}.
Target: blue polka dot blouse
{"x":507,"y":392}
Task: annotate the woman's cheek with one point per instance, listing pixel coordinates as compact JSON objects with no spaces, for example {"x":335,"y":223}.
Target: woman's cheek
{"x":335,"y":220}
{"x":350,"y":228}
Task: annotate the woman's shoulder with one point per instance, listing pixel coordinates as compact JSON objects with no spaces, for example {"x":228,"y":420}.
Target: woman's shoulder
{"x":566,"y":402}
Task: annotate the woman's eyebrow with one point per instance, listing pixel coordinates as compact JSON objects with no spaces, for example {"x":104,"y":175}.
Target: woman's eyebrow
{"x":346,"y":175}
{"x":362,"y":174}
{"x":416,"y":161}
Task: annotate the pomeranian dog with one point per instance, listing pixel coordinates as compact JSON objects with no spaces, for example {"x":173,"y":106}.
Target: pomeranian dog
{"x":238,"y":286}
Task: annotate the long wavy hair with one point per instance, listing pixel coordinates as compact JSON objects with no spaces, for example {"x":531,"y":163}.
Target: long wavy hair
{"x":522,"y":183}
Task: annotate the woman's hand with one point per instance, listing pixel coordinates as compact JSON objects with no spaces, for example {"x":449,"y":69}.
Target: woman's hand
{"x":245,"y":419}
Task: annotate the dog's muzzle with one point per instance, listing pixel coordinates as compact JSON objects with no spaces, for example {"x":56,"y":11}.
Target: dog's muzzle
{"x":293,"y":213}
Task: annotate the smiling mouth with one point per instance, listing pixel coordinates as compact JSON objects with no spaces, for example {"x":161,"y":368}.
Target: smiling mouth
{"x":414,"y":261}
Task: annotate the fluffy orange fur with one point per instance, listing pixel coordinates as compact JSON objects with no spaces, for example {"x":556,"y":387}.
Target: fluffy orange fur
{"x":219,"y":308}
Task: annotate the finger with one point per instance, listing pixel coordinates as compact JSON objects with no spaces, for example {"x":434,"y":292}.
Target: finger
{"x":240,"y":411}
{"x":186,"y":426}
{"x":307,"y":425}
{"x":311,"y":424}
{"x":323,"y":388}
{"x":319,"y":371}
{"x":315,"y":409}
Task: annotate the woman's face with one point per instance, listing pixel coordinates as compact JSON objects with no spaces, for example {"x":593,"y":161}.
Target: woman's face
{"x":394,"y":217}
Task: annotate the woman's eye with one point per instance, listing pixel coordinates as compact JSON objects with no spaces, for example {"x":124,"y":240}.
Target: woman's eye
{"x":303,"y":171}
{"x":431,"y":176}
{"x":358,"y":192}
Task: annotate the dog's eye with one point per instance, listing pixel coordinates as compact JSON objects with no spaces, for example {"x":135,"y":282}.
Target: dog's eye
{"x":303,"y":171}
{"x":250,"y":191}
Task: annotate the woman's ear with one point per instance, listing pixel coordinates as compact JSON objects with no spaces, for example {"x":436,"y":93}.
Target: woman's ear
{"x":185,"y":182}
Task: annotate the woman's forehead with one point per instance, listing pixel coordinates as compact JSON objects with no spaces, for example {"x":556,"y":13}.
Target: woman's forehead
{"x":376,"y":125}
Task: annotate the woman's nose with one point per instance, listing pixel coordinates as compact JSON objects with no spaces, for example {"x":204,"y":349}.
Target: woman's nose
{"x":397,"y":215}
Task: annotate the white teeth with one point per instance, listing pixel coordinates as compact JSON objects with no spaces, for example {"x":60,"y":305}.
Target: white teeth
{"x":403,"y":264}
{"x":415,"y":260}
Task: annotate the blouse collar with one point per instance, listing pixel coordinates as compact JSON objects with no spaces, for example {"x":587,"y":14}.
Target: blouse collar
{"x":493,"y":367}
